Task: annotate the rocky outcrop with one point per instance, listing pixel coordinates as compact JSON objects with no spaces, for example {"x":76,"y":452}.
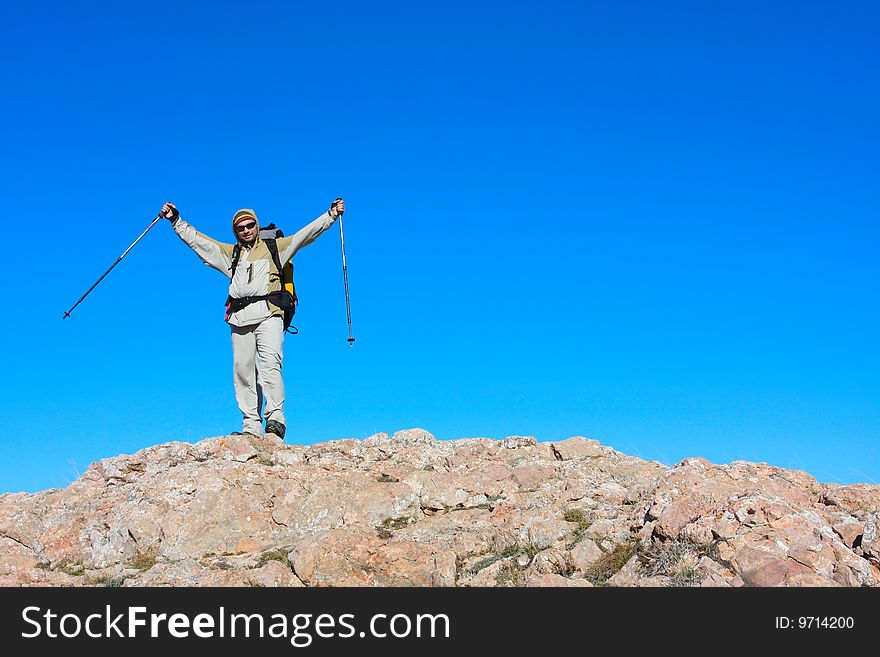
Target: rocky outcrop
{"x":409,"y":510}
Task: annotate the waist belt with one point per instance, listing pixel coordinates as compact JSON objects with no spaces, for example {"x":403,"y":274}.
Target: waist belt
{"x":234,"y":305}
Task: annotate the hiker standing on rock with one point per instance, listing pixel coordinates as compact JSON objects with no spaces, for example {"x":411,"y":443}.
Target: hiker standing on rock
{"x":254,"y":308}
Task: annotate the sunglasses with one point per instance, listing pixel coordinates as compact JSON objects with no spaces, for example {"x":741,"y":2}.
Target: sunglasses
{"x":241,"y":227}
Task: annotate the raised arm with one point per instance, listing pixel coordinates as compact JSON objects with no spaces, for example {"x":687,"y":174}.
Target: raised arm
{"x":288,"y":246}
{"x":213,"y":253}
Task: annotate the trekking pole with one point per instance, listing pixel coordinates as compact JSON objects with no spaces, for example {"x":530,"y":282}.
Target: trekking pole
{"x":345,"y":278}
{"x":67,"y":314}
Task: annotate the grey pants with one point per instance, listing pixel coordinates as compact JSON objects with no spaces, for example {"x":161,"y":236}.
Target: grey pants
{"x":256,"y":364}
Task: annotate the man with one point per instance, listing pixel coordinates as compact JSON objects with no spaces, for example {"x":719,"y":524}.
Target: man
{"x":257,"y":326}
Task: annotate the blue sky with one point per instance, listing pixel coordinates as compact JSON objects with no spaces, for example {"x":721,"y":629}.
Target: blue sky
{"x":653,"y":224}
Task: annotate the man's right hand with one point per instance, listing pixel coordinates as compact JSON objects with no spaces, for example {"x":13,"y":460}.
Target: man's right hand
{"x":169,"y":211}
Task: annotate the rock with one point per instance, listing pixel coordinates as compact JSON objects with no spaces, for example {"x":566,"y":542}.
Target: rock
{"x":855,"y":498}
{"x":413,"y":437}
{"x":612,"y":493}
{"x":556,"y":580}
{"x":274,"y":574}
{"x":773,"y":572}
{"x":712,"y":574}
{"x":530,"y":477}
{"x":630,"y":575}
{"x":409,"y":510}
{"x":543,"y":532}
{"x":349,"y":558}
{"x":656,"y":581}
{"x":237,"y":448}
{"x":515,"y":442}
{"x":551,"y":560}
{"x":810,"y":579}
{"x":870,"y":543}
{"x":17,"y":562}
{"x":579,"y":447}
{"x":491,"y":575}
{"x":585,"y":554}
{"x":848,"y":528}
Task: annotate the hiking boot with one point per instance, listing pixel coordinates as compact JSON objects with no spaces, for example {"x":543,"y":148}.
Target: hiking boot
{"x":273,"y":426}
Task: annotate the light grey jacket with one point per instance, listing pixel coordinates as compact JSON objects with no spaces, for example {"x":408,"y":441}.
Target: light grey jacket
{"x":255,"y":274}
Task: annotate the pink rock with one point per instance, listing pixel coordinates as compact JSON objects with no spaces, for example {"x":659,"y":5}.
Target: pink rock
{"x":348,"y":558}
{"x":854,"y":498}
{"x":579,"y":447}
{"x":848,"y":528}
{"x":274,"y":574}
{"x":714,"y":580}
{"x":629,"y":575}
{"x":584,"y":554}
{"x":870,"y":543}
{"x":533,"y":476}
{"x":410,"y":510}
{"x":549,"y":580}
{"x":775,"y":572}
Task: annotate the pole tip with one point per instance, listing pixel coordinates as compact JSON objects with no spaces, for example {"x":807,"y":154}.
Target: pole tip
{"x":66,"y":315}
{"x":351,"y":342}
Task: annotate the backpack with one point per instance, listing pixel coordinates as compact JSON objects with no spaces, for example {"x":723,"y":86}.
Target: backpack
{"x":285,"y":298}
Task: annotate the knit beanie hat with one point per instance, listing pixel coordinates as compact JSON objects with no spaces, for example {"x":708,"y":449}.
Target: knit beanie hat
{"x":241,"y":215}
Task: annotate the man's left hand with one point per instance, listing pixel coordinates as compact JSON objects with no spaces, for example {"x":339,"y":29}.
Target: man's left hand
{"x":337,"y":208}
